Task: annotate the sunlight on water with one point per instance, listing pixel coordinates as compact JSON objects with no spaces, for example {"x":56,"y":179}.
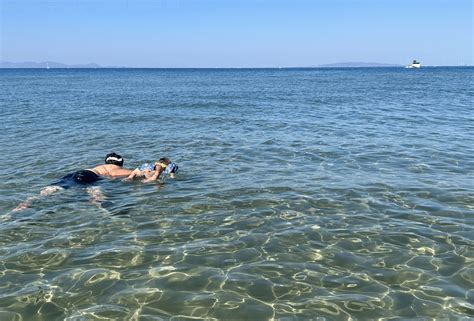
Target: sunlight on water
{"x":302,"y":194}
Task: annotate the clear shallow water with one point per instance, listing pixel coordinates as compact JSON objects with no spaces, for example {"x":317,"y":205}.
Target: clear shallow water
{"x":330,"y":193}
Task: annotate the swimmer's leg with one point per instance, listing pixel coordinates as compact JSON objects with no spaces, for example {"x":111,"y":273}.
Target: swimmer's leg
{"x":96,"y":196}
{"x":25,"y":204}
{"x":48,"y":190}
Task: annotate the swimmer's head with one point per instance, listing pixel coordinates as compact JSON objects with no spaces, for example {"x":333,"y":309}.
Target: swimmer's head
{"x":166,"y":165}
{"x":164,"y":161}
{"x":115,"y":159}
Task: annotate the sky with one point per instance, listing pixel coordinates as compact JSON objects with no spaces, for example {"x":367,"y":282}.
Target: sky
{"x":236,"y":33}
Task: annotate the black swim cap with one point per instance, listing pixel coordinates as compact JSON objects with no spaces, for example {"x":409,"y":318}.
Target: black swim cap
{"x":115,"y":159}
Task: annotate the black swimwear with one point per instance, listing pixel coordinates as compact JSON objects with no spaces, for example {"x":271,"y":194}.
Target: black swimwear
{"x":84,"y":177}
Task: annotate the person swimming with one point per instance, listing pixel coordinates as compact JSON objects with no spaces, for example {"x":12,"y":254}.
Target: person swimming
{"x":112,"y":168}
{"x":152,"y":171}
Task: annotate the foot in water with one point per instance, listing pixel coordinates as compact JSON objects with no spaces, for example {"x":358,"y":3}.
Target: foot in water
{"x":96,"y":196}
{"x":48,"y":190}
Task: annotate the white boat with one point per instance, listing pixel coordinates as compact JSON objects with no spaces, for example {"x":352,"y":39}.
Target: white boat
{"x":47,"y":65}
{"x":414,"y":64}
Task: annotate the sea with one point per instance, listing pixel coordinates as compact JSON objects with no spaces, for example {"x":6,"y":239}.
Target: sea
{"x":302,"y":194}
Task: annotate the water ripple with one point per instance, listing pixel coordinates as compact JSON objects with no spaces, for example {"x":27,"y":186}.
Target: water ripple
{"x":302,"y":194}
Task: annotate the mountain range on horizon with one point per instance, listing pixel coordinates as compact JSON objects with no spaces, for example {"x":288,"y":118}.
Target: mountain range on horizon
{"x":45,"y":65}
{"x":357,"y":64}
{"x":52,"y":64}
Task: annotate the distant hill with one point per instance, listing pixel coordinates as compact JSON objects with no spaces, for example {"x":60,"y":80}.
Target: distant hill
{"x":52,"y":64}
{"x":357,"y":65}
{"x":46,"y":64}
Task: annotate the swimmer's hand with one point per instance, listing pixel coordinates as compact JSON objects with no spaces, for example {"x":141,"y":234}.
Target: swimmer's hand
{"x":154,"y":177}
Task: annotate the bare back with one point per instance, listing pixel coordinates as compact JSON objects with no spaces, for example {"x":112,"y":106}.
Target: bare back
{"x":111,"y":170}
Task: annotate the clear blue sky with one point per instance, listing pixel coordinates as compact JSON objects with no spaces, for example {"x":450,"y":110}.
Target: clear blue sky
{"x":236,"y":33}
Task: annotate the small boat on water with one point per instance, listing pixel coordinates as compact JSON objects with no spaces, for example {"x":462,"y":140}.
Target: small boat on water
{"x":414,"y":64}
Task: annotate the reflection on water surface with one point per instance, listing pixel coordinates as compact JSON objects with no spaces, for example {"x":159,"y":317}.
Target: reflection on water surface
{"x":302,"y":194}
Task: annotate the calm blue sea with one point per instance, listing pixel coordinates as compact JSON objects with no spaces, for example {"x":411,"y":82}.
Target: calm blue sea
{"x":323,"y":194}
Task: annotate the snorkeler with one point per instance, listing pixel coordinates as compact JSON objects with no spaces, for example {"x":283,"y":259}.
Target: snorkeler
{"x":152,"y":171}
{"x":112,"y":168}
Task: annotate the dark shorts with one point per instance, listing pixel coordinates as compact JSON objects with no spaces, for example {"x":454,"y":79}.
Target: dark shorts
{"x":84,"y":177}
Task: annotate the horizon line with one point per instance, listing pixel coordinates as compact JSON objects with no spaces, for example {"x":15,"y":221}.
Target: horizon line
{"x":267,"y":67}
{"x":93,"y":65}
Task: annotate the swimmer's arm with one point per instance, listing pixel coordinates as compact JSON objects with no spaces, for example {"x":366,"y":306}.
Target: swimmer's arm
{"x":133,"y":174}
{"x":154,"y":177}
